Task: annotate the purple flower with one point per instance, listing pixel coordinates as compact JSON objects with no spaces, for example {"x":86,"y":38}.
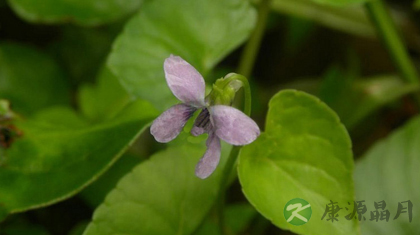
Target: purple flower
{"x":219,"y":121}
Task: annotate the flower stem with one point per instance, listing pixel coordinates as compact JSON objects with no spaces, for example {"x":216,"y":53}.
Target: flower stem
{"x":227,"y":170}
{"x":245,"y":68}
{"x":233,"y":155}
{"x":224,"y":183}
{"x":388,"y":32}
{"x":246,"y":65}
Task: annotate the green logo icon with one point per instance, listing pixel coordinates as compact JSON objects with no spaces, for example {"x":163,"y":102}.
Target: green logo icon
{"x":297,"y":211}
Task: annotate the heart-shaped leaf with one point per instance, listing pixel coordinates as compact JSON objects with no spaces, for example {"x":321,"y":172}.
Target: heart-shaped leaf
{"x":202,"y":32}
{"x":160,"y":196}
{"x":83,"y":12}
{"x":389,"y":172}
{"x":305,"y":153}
{"x":58,"y":154}
{"x":55,"y":152}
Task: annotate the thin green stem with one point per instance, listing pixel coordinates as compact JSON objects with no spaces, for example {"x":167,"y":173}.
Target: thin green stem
{"x":233,"y":155}
{"x":245,"y":68}
{"x":235,"y":149}
{"x":388,"y":32}
{"x":251,"y":48}
{"x":225,"y":180}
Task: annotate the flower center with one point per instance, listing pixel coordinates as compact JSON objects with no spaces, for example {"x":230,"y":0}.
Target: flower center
{"x":203,"y":120}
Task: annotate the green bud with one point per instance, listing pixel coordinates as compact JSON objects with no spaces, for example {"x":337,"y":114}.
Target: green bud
{"x":224,"y":90}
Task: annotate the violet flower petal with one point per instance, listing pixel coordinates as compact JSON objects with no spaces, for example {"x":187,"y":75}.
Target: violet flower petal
{"x":185,"y":82}
{"x":233,"y":126}
{"x":210,"y":160}
{"x":170,"y":123}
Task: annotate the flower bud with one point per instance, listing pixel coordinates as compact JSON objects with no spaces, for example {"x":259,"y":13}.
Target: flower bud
{"x":224,"y":90}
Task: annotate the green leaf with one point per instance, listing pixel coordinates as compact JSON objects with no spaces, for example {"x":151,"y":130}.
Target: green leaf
{"x":83,"y":12}
{"x":237,"y":218}
{"x":389,"y":172}
{"x":351,"y":19}
{"x":59,"y":154}
{"x":160,"y":196}
{"x":304,"y":153}
{"x":202,"y":32}
{"x":104,"y":100}
{"x":25,"y":85}
{"x":340,"y":2}
{"x":3,"y":212}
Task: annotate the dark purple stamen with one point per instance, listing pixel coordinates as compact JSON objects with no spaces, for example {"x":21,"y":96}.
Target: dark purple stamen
{"x":203,"y":120}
